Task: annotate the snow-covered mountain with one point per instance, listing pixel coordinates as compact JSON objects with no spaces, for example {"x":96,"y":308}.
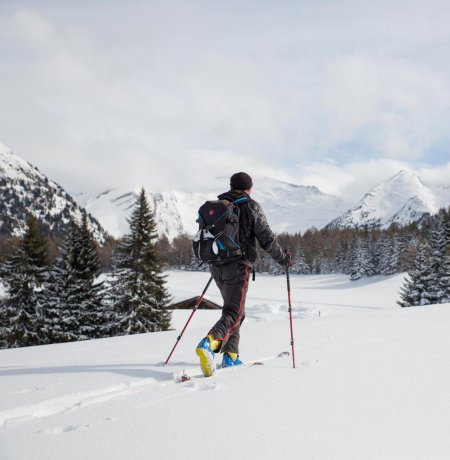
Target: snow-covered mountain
{"x":289,"y":207}
{"x":24,"y":190}
{"x":402,"y":199}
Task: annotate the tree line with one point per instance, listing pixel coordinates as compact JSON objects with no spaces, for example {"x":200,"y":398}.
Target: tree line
{"x":68,"y":298}
{"x":60,"y":290}
{"x":421,"y":249}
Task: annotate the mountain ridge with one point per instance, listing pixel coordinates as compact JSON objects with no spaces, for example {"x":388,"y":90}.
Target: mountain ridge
{"x":401,"y":199}
{"x":25,"y":190}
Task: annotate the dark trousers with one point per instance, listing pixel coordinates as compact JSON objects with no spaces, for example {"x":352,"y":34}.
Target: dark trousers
{"x":232,"y":280}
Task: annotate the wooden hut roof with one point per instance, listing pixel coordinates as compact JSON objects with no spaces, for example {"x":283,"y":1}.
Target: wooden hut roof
{"x":188,"y":304}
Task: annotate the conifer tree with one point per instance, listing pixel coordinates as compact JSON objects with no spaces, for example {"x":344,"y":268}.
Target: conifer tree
{"x":362,"y":263}
{"x":59,"y":325}
{"x":439,"y":262}
{"x":3,"y":323}
{"x":416,"y":290}
{"x":74,"y":309}
{"x":300,"y":266}
{"x":384,"y":249}
{"x":24,"y":275}
{"x":138,"y":294}
{"x":85,"y":270}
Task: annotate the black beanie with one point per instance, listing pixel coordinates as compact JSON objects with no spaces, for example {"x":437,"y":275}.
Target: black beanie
{"x":241,"y":181}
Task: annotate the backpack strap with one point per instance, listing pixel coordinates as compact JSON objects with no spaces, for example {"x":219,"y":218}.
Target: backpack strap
{"x":241,"y":200}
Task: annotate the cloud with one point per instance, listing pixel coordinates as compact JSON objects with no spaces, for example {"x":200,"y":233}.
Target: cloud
{"x":100,"y":94}
{"x":394,"y":108}
{"x":353,"y":179}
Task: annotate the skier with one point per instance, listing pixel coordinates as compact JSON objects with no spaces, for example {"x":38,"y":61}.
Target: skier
{"x":232,"y":275}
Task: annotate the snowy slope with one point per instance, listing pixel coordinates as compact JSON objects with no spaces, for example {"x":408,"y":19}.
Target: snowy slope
{"x":24,"y":189}
{"x":402,"y":199}
{"x":371,"y":383}
{"x":289,"y":207}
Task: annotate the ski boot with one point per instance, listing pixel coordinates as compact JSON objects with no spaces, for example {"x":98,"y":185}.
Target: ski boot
{"x":230,"y":359}
{"x":205,"y":352}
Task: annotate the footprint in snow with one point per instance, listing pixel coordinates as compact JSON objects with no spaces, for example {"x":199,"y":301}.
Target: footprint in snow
{"x":201,"y":386}
{"x":65,"y":428}
{"x":23,"y":391}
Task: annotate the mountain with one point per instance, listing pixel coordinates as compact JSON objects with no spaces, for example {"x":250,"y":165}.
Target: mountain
{"x":25,"y":190}
{"x":402,"y":199}
{"x":288,"y":207}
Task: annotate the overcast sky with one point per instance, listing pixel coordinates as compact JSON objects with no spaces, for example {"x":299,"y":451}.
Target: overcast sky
{"x":338,"y":94}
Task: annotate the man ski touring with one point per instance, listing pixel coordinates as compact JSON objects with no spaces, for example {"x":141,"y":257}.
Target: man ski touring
{"x":231,"y":257}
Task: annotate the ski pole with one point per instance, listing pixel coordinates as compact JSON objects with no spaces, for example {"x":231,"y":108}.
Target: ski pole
{"x":290,"y":312}
{"x":190,"y":317}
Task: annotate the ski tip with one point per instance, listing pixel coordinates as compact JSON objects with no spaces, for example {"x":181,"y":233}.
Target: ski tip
{"x":185,"y":377}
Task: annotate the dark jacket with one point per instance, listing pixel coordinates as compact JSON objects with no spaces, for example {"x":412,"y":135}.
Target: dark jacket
{"x":253,"y":226}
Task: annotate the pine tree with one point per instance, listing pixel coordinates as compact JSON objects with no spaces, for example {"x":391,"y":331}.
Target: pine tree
{"x":138,"y":294}
{"x":439,"y":262}
{"x":384,"y":248}
{"x":74,"y":307}
{"x":58,"y":325}
{"x":362,"y":262}
{"x":300,"y":266}
{"x":416,"y":290}
{"x":24,"y":274}
{"x":85,"y":270}
{"x":3,"y":323}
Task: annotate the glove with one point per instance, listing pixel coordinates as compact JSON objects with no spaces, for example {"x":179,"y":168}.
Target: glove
{"x":287,"y":259}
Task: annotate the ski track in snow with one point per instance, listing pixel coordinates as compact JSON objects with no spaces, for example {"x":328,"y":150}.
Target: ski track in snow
{"x":71,"y":402}
{"x":76,"y":401}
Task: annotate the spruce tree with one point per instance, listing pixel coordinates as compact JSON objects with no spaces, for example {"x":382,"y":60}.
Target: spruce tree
{"x":439,"y":262}
{"x":85,"y":270}
{"x":3,"y":323}
{"x":416,"y":290}
{"x":24,"y":274}
{"x":300,"y":266}
{"x":362,"y":262}
{"x":74,"y":307}
{"x":138,"y":294}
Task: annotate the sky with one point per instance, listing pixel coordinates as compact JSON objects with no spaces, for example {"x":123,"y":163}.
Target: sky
{"x":173,"y":94}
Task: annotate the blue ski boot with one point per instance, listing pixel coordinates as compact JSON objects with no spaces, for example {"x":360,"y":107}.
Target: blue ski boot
{"x":230,"y":359}
{"x":206,"y":355}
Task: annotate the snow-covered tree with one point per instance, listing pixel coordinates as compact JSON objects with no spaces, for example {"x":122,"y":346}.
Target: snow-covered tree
{"x":74,"y":309}
{"x":24,"y":275}
{"x":138,"y":293}
{"x":439,"y":262}
{"x":385,"y":249}
{"x":3,"y":323}
{"x":416,"y":290}
{"x":299,"y":265}
{"x":85,"y":271}
{"x":362,"y":263}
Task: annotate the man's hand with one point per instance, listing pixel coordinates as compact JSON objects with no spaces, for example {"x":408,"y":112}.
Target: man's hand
{"x":287,"y":259}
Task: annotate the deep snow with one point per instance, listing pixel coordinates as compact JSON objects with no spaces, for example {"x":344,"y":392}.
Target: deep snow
{"x":372,"y":382}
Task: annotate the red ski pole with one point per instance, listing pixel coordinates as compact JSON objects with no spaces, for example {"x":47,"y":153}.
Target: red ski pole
{"x":190,"y":317}
{"x":290,"y":313}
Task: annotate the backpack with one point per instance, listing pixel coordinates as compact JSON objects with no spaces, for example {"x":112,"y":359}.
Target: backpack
{"x":217,"y":238}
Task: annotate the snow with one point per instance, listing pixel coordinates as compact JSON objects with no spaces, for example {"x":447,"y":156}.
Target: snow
{"x":289,"y":207}
{"x":371,"y":383}
{"x":403,"y":199}
{"x":49,"y":203}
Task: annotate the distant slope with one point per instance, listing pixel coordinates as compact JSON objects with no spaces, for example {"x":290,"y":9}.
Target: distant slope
{"x":24,"y":190}
{"x":401,"y":199}
{"x":288,"y":207}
